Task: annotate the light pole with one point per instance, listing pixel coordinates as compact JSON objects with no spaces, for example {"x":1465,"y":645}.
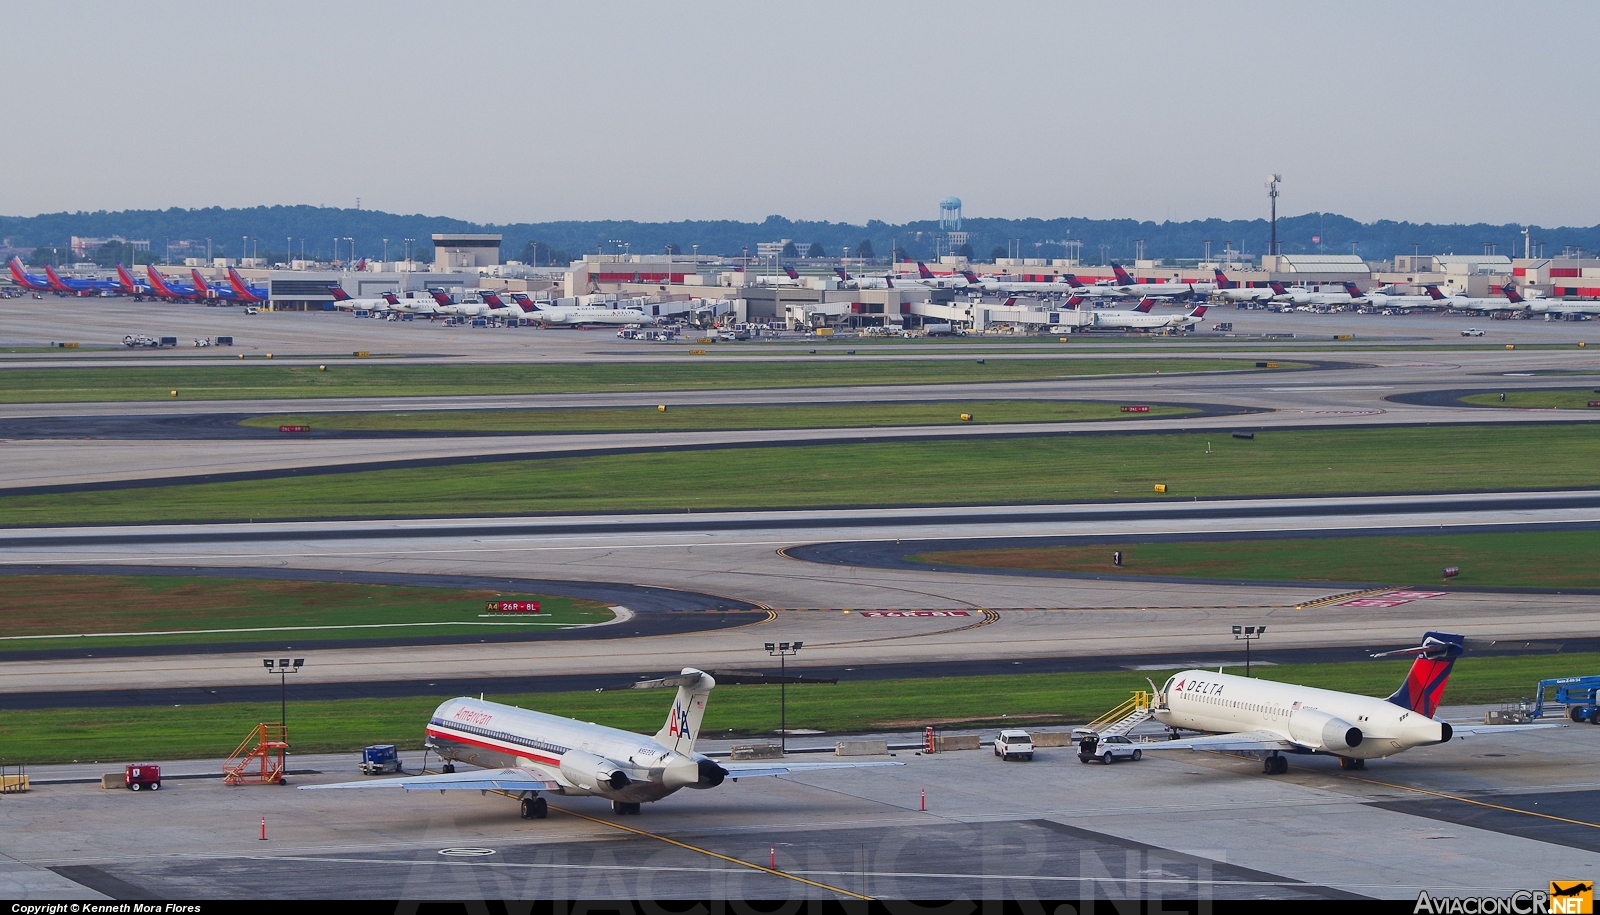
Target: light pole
{"x":352,"y":247}
{"x":782,"y":651}
{"x":283,"y":667}
{"x":1272,"y":194}
{"x":1248,"y":634}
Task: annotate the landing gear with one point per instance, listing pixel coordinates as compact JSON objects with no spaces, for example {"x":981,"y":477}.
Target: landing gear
{"x":624,"y":808}
{"x":535,"y":808}
{"x":1349,"y":764}
{"x":1274,"y":765}
{"x":447,"y":768}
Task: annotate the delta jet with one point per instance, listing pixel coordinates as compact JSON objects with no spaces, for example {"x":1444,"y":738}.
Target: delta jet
{"x":167,"y":289}
{"x":862,"y":282}
{"x":1378,"y":298}
{"x":1141,"y":318}
{"x":1511,"y":302}
{"x":342,"y":300}
{"x":527,"y":752}
{"x":1067,"y":284}
{"x":25,"y":279}
{"x":1299,"y":295}
{"x":1246,"y":716}
{"x":1231,"y":291}
{"x":1128,"y":286}
{"x":789,"y":278}
{"x":578,"y":315}
{"x":76,"y":287}
{"x":253,"y":295}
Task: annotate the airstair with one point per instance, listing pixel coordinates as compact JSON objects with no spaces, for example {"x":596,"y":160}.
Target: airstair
{"x":1124,"y":718}
{"x":259,"y":757}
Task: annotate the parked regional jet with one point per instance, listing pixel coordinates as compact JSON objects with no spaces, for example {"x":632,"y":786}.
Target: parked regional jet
{"x":1301,"y":296}
{"x":1141,"y":318}
{"x":577,"y":315}
{"x":1243,"y":715}
{"x":1477,"y":303}
{"x":880,"y":281}
{"x":167,"y":289}
{"x":1129,"y":286}
{"x":1231,"y":291}
{"x":342,"y":300}
{"x":27,"y":280}
{"x":527,"y":752}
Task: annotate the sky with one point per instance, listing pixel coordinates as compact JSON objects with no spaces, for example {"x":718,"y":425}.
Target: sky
{"x":841,"y":111}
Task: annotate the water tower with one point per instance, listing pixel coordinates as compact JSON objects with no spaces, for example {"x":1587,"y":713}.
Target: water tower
{"x":950,"y":214}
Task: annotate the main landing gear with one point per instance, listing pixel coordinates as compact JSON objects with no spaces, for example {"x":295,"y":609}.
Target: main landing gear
{"x":535,"y":808}
{"x":447,"y":768}
{"x":624,"y":808}
{"x":1349,"y":764}
{"x":1274,"y":765}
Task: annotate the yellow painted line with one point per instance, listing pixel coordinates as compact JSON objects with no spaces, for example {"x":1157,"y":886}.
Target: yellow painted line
{"x":1351,"y":595}
{"x":1466,"y":800}
{"x":707,"y":851}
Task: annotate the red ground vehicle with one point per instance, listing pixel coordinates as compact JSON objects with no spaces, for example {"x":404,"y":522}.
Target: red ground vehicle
{"x":142,"y":776}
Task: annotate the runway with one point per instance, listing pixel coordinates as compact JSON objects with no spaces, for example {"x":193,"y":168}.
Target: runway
{"x":744,"y":556}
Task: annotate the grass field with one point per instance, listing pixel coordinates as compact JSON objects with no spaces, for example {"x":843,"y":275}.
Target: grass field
{"x":1575,"y":399}
{"x":199,"y":731}
{"x":256,"y":380}
{"x":1035,"y":469}
{"x":1553,"y":559}
{"x":72,"y":606}
{"x":676,"y":419}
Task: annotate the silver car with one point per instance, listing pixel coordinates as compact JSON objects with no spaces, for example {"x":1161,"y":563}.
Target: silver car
{"x":1107,"y":750}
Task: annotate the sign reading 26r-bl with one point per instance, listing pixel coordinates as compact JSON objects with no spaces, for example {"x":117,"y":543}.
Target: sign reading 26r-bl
{"x":513,"y":606}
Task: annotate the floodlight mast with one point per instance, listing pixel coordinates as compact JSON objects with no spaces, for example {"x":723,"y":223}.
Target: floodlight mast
{"x":1272,"y":194}
{"x":1248,"y":634}
{"x":283,"y":667}
{"x":782,"y":651}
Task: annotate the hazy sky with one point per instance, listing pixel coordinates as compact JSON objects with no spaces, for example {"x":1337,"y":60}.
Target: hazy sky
{"x":815,"y":109}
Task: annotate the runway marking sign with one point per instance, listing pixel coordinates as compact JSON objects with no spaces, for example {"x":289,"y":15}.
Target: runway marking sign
{"x":914,"y":613}
{"x":1392,"y":598}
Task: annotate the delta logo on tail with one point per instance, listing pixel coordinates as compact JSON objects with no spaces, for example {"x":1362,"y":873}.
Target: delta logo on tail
{"x":923,"y":273}
{"x":1145,"y":304}
{"x":1199,"y":311}
{"x":1123,"y":277}
{"x":790,"y":271}
{"x":1222,"y":280}
{"x":1425,"y":682}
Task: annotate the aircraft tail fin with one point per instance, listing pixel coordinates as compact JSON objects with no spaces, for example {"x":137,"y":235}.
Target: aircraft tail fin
{"x":200,"y":284}
{"x":1010,"y":301}
{"x":923,"y":273}
{"x":688,"y":708}
{"x":843,"y":277}
{"x":1353,"y":289}
{"x":1145,"y":304}
{"x":791,"y":273}
{"x":1277,"y":288}
{"x":1510,"y":289}
{"x":1199,"y":311}
{"x":1122,"y":275}
{"x":339,"y":295}
{"x":1434,"y":293}
{"x":440,"y":298}
{"x":1072,"y":281}
{"x":1074,"y":301}
{"x":122,"y":274}
{"x":1424,"y":683}
{"x":493,"y":300}
{"x":1222,"y":279}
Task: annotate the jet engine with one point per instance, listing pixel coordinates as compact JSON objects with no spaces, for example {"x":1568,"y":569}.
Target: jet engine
{"x":589,"y":772}
{"x":1312,"y":728}
{"x":697,"y":773}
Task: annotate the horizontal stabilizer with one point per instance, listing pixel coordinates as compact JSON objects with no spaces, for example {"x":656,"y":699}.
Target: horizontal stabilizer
{"x":484,"y":780}
{"x":756,"y":770}
{"x":1488,"y":730}
{"x":1240,"y":742}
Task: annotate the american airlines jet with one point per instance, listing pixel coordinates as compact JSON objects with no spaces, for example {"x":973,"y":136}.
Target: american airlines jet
{"x":528,"y":752}
{"x":1269,"y":719}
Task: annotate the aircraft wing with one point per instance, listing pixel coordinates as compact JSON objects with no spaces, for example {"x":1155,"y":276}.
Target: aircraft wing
{"x":477,"y":780}
{"x":1243,"y":740}
{"x":754,"y":770}
{"x":1485,"y":730}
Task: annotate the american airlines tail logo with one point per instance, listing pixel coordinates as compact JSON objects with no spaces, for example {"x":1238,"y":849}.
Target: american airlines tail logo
{"x":678,"y":722}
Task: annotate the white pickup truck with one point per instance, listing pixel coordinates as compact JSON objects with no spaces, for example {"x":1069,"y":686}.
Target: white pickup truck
{"x":1014,"y":745}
